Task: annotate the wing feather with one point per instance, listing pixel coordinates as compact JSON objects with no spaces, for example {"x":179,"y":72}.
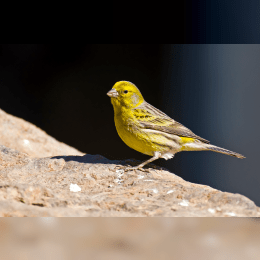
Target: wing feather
{"x":150,"y":117}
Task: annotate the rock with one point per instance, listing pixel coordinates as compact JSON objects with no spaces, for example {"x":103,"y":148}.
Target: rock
{"x":37,"y":181}
{"x":27,"y":138}
{"x":41,"y":187}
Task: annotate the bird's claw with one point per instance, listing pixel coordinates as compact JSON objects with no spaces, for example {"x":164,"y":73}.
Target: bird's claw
{"x":131,"y":168}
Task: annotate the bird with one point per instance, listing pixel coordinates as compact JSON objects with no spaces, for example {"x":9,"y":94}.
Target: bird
{"x":148,"y":130}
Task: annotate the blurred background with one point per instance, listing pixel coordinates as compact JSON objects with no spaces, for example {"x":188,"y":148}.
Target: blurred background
{"x":212,"y":89}
{"x":129,"y":238}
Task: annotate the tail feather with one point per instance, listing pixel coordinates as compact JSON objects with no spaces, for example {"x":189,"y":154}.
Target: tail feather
{"x":224,"y":151}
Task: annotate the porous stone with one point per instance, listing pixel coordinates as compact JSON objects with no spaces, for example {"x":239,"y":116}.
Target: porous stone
{"x":41,"y":187}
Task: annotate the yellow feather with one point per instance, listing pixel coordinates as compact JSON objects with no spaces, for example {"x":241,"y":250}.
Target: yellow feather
{"x":185,"y":140}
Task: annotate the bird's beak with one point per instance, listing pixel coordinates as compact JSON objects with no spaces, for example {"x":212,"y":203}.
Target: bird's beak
{"x":112,"y":93}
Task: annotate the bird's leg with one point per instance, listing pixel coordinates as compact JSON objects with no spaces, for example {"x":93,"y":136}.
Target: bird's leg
{"x":156,"y":156}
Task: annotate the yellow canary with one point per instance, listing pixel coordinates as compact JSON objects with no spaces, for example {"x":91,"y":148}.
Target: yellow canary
{"x":146,"y":129}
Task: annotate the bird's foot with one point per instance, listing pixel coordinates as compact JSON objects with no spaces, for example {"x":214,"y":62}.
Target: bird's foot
{"x":141,"y":169}
{"x":131,"y":168}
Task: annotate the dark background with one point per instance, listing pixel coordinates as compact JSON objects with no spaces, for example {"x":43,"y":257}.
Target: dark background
{"x":211,"y":87}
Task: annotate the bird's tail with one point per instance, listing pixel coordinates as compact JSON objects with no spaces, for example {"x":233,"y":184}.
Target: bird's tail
{"x":224,"y":151}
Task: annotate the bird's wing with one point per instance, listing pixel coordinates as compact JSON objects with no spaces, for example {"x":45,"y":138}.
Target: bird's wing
{"x":150,"y":117}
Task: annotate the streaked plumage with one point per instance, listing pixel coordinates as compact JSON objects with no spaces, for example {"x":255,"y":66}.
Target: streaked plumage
{"x":148,"y":130}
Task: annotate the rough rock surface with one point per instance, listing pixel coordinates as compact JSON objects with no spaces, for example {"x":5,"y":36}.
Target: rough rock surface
{"x":31,"y":186}
{"x":41,"y":187}
{"x":25,"y":137}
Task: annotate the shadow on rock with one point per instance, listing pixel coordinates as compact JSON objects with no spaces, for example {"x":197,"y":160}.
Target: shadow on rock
{"x":88,"y":158}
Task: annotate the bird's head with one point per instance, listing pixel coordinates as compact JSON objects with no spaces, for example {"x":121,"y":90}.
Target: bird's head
{"x":125,"y":94}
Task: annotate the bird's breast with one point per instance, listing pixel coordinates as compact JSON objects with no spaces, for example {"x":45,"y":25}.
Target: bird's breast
{"x":140,"y":139}
{"x":131,"y":134}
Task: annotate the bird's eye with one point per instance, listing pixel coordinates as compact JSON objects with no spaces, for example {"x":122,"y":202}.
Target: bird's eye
{"x":126,"y":91}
